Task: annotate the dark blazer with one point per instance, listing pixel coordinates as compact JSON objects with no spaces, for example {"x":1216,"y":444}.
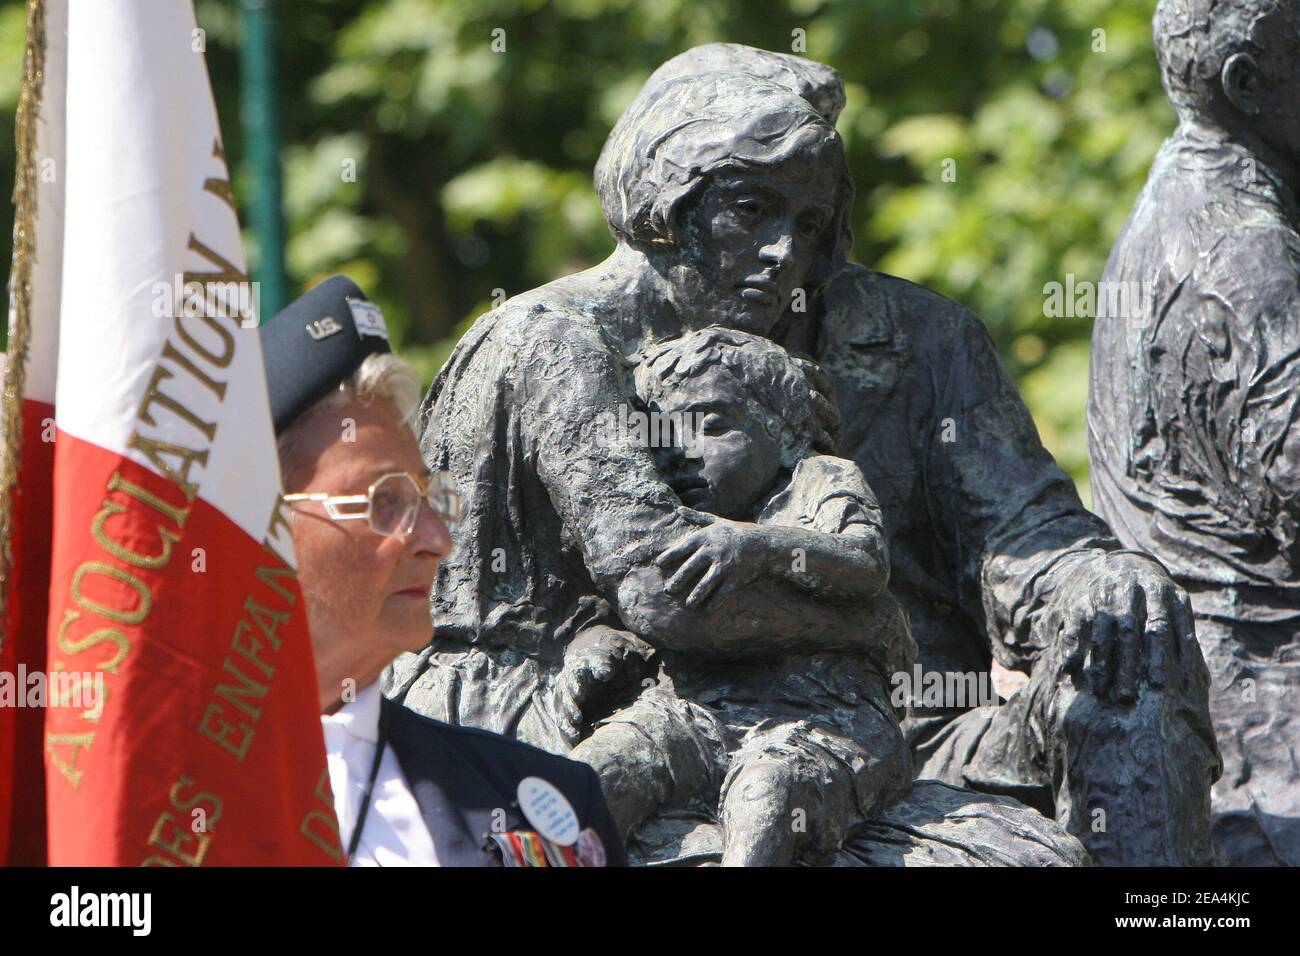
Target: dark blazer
{"x":465,"y":782}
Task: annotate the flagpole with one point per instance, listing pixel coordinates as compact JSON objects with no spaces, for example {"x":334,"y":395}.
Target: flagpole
{"x":261,"y":118}
{"x":20,"y":285}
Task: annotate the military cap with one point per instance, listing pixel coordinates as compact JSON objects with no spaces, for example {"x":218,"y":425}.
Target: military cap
{"x":312,"y":345}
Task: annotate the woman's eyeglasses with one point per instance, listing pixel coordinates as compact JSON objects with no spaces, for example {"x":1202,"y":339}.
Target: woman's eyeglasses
{"x":392,"y":503}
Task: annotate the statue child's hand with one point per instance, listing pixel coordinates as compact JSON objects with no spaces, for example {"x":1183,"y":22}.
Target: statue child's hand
{"x":601,"y":665}
{"x":711,"y":562}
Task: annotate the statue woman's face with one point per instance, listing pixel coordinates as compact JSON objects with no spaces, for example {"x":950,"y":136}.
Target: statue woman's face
{"x":751,"y":240}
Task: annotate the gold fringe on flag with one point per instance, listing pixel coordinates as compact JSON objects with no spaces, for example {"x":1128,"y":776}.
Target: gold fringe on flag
{"x":20,"y":285}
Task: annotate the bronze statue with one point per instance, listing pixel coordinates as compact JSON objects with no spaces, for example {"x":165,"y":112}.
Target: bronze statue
{"x":593,"y":575}
{"x":1195,"y":392}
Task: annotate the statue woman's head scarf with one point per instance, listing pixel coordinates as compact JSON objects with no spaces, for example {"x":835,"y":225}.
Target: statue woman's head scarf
{"x":686,"y":126}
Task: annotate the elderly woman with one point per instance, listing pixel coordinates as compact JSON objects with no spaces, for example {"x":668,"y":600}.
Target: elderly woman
{"x":728,"y":197}
{"x":370,"y":524}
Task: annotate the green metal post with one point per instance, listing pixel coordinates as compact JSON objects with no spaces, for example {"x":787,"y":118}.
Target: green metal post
{"x":261,"y":118}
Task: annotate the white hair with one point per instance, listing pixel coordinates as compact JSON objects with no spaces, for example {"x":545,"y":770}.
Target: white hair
{"x":381,"y":375}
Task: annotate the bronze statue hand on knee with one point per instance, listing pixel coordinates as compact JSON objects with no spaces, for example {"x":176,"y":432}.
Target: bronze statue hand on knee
{"x":1123,"y":623}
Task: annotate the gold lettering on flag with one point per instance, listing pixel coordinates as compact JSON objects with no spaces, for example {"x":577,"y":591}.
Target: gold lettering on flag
{"x":127,"y":602}
{"x":109,"y":589}
{"x":78,"y":743}
{"x":94,"y":638}
{"x":235,"y":735}
{"x":170,"y":832}
{"x":220,"y":187}
{"x":320,"y":826}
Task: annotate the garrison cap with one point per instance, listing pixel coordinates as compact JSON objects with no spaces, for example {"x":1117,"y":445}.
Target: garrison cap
{"x":312,"y":345}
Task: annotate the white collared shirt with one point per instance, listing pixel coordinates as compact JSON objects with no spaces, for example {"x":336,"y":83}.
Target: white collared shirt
{"x":395,"y":833}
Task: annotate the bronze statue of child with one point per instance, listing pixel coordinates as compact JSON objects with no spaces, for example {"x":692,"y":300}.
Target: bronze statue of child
{"x":804,"y":746}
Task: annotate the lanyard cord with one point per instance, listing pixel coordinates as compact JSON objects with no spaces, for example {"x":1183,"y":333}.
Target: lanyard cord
{"x":370,"y":783}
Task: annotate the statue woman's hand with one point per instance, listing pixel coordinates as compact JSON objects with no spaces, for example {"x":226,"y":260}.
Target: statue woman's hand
{"x":711,"y":562}
{"x":1123,"y":622}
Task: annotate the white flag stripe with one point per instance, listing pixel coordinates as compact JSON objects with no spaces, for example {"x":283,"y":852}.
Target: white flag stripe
{"x":142,"y":142}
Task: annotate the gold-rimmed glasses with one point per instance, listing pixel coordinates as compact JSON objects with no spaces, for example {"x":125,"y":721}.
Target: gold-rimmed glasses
{"x":392,"y":503}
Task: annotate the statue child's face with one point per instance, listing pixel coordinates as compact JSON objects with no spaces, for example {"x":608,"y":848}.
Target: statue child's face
{"x":727,"y":460}
{"x":752,"y":241}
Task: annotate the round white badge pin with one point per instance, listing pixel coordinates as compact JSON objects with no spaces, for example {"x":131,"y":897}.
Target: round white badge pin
{"x":547,"y":810}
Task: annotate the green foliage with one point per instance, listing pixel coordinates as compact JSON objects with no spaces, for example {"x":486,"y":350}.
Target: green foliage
{"x":1047,"y":166}
{"x":436,"y":169}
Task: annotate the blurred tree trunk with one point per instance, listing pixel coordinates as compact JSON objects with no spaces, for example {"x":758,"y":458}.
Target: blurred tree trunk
{"x":414,"y":206}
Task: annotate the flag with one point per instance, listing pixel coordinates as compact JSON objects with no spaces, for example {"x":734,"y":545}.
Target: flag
{"x":182,"y":724}
{"x":27,"y":433}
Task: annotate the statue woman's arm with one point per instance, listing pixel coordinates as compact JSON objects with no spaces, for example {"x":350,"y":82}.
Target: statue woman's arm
{"x":1008,"y":516}
{"x":621,"y":515}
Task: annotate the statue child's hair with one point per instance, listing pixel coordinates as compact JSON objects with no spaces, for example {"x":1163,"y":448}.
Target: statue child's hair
{"x":763,"y":369}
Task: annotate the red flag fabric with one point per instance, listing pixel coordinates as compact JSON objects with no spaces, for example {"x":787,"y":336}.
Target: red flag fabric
{"x":182,"y":722}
